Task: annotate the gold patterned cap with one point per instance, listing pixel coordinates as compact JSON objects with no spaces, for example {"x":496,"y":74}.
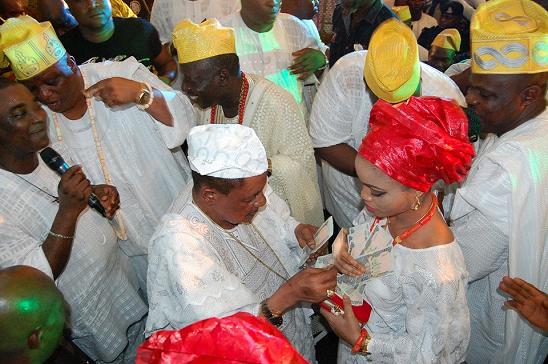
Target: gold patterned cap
{"x":392,"y":68}
{"x":509,"y":37}
{"x":28,"y":47}
{"x":448,"y":39}
{"x":402,"y":12}
{"x":200,"y":41}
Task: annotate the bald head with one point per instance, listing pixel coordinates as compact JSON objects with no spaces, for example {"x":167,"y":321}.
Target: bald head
{"x":31,"y":315}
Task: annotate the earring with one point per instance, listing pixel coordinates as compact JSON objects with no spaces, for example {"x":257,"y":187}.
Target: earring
{"x":417,"y":204}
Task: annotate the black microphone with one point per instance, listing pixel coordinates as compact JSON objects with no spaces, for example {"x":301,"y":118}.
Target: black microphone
{"x":58,"y":164}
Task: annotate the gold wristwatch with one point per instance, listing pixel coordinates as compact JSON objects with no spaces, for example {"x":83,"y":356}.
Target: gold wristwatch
{"x":275,"y":319}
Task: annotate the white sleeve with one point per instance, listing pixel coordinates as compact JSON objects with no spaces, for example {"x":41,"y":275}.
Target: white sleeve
{"x":19,"y":248}
{"x":336,"y":106}
{"x":280,"y":209}
{"x":197,"y":281}
{"x":180,"y":107}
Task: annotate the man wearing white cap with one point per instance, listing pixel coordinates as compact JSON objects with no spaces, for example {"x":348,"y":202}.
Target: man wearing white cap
{"x":340,"y":114}
{"x":231,"y":245}
{"x":500,"y":214}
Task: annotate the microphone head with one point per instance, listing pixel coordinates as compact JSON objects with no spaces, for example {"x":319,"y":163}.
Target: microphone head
{"x":54,"y":160}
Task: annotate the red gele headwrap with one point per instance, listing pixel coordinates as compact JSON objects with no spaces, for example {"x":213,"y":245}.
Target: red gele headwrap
{"x":419,"y":142}
{"x":240,"y":338}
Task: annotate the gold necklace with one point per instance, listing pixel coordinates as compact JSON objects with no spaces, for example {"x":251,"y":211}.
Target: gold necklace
{"x":120,"y":229}
{"x":237,"y":240}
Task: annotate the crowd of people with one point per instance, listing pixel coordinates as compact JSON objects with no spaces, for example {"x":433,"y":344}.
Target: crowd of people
{"x":162,"y":182}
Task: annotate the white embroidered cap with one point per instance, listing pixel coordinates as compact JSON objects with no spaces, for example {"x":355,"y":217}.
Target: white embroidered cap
{"x":226,"y":151}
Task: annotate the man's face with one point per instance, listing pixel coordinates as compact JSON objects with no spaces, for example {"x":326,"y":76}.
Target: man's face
{"x":262,"y":12}
{"x":440,"y":58}
{"x":243,"y":202}
{"x":93,"y":14}
{"x":58,"y":87}
{"x":199,"y":85}
{"x":23,"y":122}
{"x":13,"y":8}
{"x":497,"y":101}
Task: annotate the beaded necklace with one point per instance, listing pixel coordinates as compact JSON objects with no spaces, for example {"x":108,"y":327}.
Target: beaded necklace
{"x":121,"y":228}
{"x":241,"y":105}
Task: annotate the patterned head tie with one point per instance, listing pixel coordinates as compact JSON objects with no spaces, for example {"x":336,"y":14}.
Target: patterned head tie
{"x":509,"y":37}
{"x":195,"y":42}
{"x":419,"y":142}
{"x":28,"y":47}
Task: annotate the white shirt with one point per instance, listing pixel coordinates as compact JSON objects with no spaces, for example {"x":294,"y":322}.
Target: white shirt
{"x":96,"y":283}
{"x":419,"y":311}
{"x":165,"y":14}
{"x":269,"y":54}
{"x":146,"y":173}
{"x":199,"y":270}
{"x":499,"y":218}
{"x":340,"y":115}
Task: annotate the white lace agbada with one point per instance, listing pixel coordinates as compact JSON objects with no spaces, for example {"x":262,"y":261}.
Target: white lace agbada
{"x":165,"y":14}
{"x":419,"y":312}
{"x":197,"y":270}
{"x":96,"y":282}
{"x":269,"y":54}
{"x":146,"y":173}
{"x":500,"y":219}
{"x":279,"y":124}
{"x":341,"y":115}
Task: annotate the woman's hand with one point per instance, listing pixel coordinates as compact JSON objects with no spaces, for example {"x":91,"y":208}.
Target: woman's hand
{"x":346,"y":326}
{"x":344,"y":262}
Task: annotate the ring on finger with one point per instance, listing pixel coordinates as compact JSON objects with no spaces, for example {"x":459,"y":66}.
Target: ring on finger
{"x":329,"y":293}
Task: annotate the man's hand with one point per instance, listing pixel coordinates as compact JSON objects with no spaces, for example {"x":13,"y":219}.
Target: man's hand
{"x":74,"y":189}
{"x":115,"y":91}
{"x":346,"y":326}
{"x":530,"y":302}
{"x":344,"y":262}
{"x":305,"y":235}
{"x":109,"y":198}
{"x":311,"y":284}
{"x":306,"y":62}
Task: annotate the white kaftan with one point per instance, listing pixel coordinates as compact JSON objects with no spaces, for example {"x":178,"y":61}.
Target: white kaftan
{"x":279,"y":124}
{"x":269,"y":54}
{"x":146,"y":173}
{"x":500,"y":219}
{"x":341,"y":115}
{"x":197,"y":270}
{"x":165,"y":14}
{"x":419,"y":311}
{"x":96,"y":282}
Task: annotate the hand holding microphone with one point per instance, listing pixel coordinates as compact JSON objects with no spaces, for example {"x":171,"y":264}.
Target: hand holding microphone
{"x":75,"y":190}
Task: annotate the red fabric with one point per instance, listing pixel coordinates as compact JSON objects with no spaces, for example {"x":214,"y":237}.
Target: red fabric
{"x":362,"y":312}
{"x":240,"y":338}
{"x":419,"y":142}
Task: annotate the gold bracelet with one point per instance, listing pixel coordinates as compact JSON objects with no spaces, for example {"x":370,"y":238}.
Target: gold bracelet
{"x":365,"y":343}
{"x":60,"y":236}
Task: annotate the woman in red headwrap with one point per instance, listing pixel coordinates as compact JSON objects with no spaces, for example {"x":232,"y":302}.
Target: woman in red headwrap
{"x":412,"y":273}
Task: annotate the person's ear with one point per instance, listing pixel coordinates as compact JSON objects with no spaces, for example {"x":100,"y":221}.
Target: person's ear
{"x":71,"y":62}
{"x":209,"y":195}
{"x":530,"y":94}
{"x":34,"y":339}
{"x":224,"y":76}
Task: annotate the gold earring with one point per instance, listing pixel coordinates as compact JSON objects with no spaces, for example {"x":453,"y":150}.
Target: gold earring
{"x":417,"y":204}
